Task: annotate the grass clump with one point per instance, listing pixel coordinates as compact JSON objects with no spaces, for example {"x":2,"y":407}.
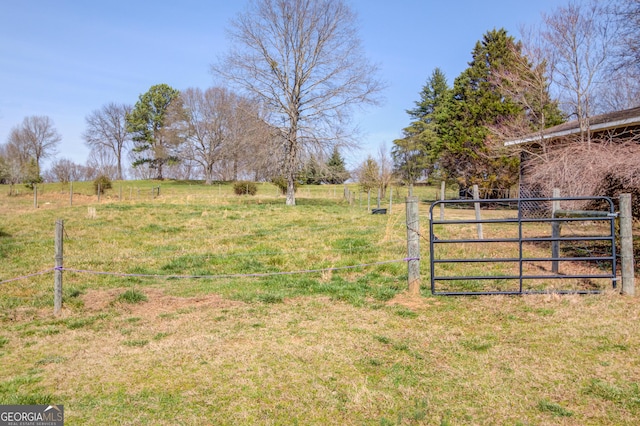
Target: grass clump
{"x":557,"y":410}
{"x":132,"y":296}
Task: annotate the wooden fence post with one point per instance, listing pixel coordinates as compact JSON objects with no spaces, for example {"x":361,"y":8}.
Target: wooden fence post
{"x":71,"y":193}
{"x":35,"y":196}
{"x":390,"y":200}
{"x":626,"y":245}
{"x":413,"y":245}
{"x":476,"y":206}
{"x":59,"y":256}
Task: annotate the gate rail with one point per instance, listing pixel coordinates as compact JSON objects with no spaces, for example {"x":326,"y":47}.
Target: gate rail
{"x":608,"y":217}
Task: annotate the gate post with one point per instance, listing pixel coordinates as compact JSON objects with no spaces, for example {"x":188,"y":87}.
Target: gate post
{"x":626,"y":245}
{"x":476,"y":206}
{"x":413,"y":245}
{"x":555,"y":232}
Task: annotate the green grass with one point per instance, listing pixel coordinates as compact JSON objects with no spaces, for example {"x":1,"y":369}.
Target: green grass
{"x":253,"y":337}
{"x":132,"y":296}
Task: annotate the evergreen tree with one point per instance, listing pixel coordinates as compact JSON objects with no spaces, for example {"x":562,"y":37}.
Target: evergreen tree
{"x":312,"y":172}
{"x":149,"y":123}
{"x":474,"y":103}
{"x":413,"y":154}
{"x":336,"y":170}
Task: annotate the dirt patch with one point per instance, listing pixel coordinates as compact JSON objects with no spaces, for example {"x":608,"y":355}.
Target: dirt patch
{"x":157,"y":303}
{"x":411,"y":301}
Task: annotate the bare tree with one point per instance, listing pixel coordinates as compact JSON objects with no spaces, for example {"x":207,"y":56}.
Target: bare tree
{"x":627,"y":14}
{"x":102,"y":162}
{"x":216,"y":125}
{"x":385,"y":165}
{"x":304,"y":61}
{"x":580,"y":40}
{"x":368,"y":174}
{"x":65,"y":170}
{"x":36,"y":138}
{"x":107,"y":130}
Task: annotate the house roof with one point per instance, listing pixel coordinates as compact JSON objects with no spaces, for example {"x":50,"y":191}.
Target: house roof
{"x":599,"y":123}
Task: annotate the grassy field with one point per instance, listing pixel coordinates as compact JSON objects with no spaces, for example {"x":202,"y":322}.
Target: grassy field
{"x":201,"y":307}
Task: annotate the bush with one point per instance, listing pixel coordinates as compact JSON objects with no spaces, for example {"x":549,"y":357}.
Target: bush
{"x":281,"y":183}
{"x":102,"y":182}
{"x":245,"y":188}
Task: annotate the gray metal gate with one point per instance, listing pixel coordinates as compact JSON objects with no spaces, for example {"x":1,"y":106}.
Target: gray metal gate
{"x":514,"y":260}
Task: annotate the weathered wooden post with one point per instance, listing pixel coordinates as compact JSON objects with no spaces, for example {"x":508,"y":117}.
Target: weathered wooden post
{"x":59,"y":255}
{"x":476,"y":206}
{"x":390,"y":200}
{"x":413,"y":245}
{"x":442,"y":195}
{"x":120,"y":193}
{"x":71,"y":193}
{"x":99,"y":191}
{"x":626,"y":245}
{"x":369,"y":200}
{"x":555,"y":232}
{"x":35,"y":196}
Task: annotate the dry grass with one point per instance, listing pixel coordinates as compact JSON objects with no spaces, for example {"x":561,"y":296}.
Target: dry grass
{"x":341,"y":347}
{"x":312,"y":360}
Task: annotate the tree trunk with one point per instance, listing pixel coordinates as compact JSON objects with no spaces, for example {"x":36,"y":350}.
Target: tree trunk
{"x":290,"y":166}
{"x":291,"y":192}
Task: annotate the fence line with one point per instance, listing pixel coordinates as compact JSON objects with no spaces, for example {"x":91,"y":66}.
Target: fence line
{"x":258,"y":274}
{"x":35,"y":274}
{"x":251,"y":275}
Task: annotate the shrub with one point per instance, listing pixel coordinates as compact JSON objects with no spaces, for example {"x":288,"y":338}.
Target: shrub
{"x":102,"y":182}
{"x":245,"y":188}
{"x":281,"y":183}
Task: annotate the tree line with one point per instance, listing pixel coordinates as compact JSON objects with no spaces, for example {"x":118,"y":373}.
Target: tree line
{"x":213,"y":134}
{"x":291,"y":79}
{"x":296,"y":71}
{"x":583,"y":60}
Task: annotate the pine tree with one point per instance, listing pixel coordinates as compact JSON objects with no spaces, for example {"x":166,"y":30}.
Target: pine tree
{"x":336,"y":170}
{"x":413,"y":154}
{"x":148,"y":123}
{"x":474,"y":103}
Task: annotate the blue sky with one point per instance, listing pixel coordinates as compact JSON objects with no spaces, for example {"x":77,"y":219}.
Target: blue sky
{"x":65,"y":59}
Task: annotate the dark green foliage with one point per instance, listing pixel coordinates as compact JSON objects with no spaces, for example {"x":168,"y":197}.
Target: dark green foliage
{"x":281,"y":183}
{"x":245,"y":188}
{"x":101,"y":183}
{"x":32,"y":174}
{"x":148,"y":123}
{"x":413,"y":155}
{"x":313,"y":172}
{"x":474,"y":103}
{"x":336,"y":170}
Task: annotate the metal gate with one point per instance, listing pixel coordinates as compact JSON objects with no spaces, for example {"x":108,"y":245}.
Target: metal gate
{"x":506,"y":253}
